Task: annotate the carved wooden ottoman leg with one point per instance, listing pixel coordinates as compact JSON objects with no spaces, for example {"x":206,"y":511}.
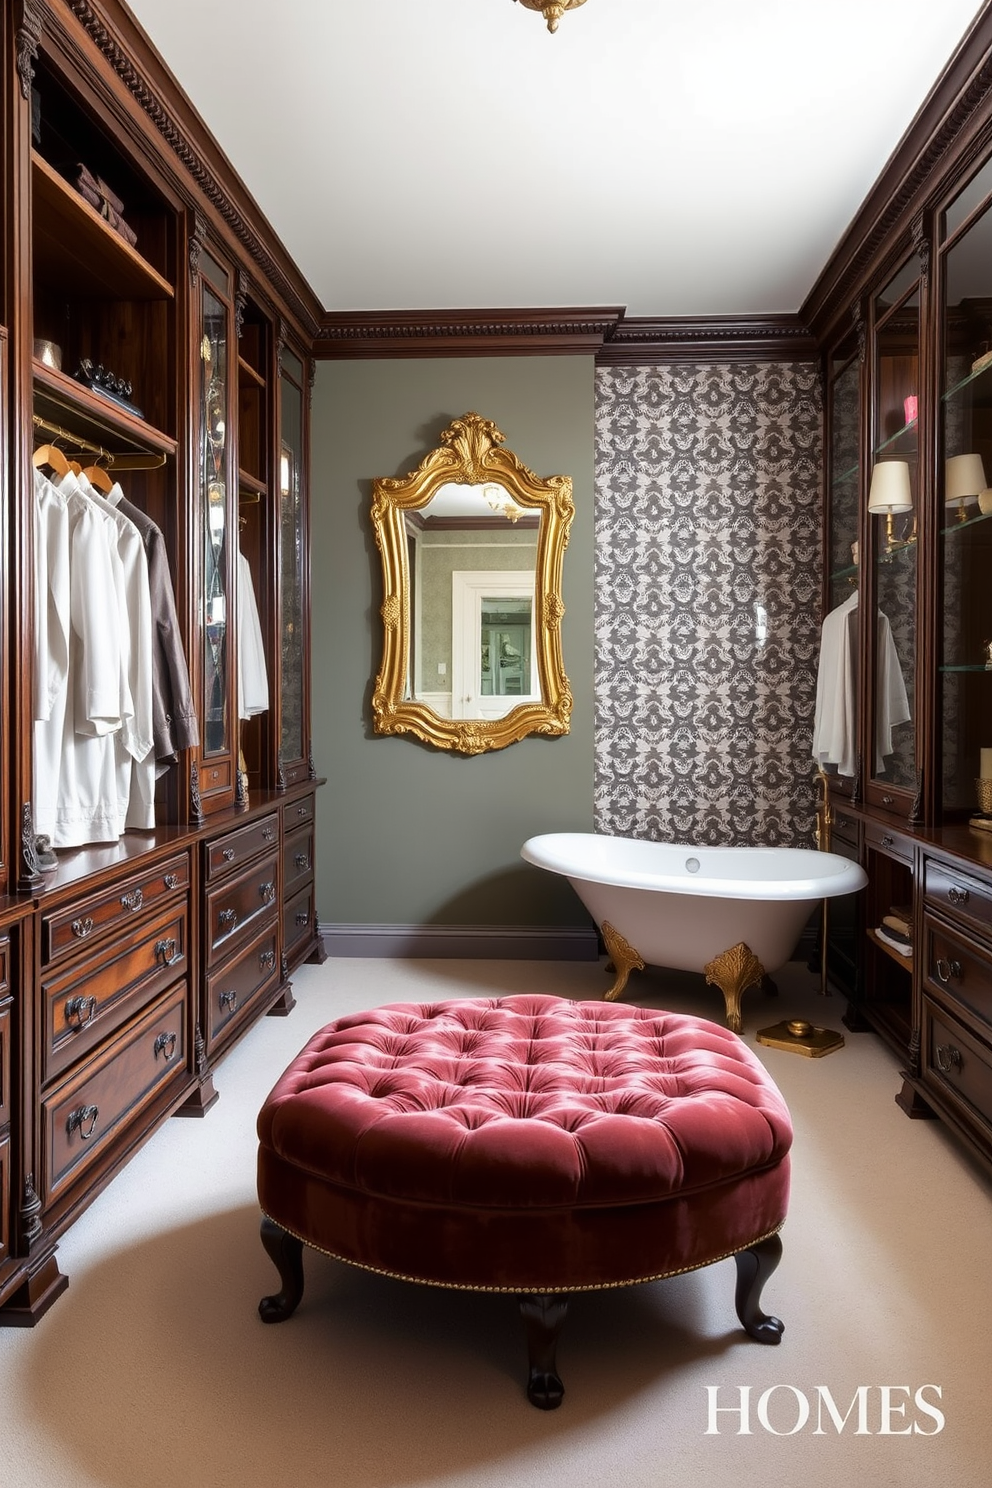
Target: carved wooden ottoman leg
{"x":543,"y":1316}
{"x":287,"y":1254}
{"x":754,"y":1266}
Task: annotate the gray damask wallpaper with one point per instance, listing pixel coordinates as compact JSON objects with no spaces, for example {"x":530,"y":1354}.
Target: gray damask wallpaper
{"x":707,"y":590}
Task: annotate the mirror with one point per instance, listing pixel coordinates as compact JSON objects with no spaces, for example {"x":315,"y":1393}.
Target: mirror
{"x":472,"y":545}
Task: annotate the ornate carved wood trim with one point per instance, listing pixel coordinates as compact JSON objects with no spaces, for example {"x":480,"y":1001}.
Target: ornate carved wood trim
{"x":446,"y":333}
{"x":26,"y":39}
{"x":197,"y":238}
{"x":29,"y":1214}
{"x":240,"y":301}
{"x":954,"y":121}
{"x":708,"y":338}
{"x":191,"y":158}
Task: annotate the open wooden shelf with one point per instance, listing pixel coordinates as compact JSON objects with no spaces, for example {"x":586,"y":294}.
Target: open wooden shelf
{"x":80,"y":411}
{"x":79,"y":253}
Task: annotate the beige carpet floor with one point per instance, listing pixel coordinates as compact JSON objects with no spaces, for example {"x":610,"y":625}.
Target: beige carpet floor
{"x":154,"y":1371}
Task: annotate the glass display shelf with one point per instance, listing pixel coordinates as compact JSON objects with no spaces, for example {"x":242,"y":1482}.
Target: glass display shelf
{"x":957,"y":527}
{"x":983,"y":373}
{"x":907,"y":434}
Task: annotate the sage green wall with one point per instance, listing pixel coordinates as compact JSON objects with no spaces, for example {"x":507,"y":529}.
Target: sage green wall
{"x":407,"y":834}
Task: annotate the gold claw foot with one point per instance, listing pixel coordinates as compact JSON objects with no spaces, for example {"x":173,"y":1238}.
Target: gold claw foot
{"x":624,"y":958}
{"x":733,"y":972}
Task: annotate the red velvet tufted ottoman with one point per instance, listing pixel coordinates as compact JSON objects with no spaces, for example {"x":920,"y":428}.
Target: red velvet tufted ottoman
{"x":526,"y":1144}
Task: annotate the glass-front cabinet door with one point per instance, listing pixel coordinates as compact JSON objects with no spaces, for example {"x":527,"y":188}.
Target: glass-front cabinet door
{"x":837,"y":732}
{"x":294,"y":742}
{"x":965,"y":502}
{"x":892,"y":771}
{"x":218,"y":736}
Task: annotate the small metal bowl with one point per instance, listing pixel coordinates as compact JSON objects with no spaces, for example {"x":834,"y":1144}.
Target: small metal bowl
{"x":48,"y":353}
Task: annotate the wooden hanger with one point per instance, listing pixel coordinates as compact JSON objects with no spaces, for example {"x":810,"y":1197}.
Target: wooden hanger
{"x":100,"y":478}
{"x":51,"y":455}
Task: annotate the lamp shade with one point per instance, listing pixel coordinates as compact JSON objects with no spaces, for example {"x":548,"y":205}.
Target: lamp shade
{"x":891,"y":490}
{"x":964,"y":476}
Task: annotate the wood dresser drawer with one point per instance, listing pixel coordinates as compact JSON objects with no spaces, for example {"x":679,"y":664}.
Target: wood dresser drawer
{"x":956,"y":971}
{"x":232,"y":989}
{"x":88,"y":1110}
{"x":87,"y":1001}
{"x":295,"y":812}
{"x":297,"y":859}
{"x":238,"y":906}
{"x":887,"y":840}
{"x":955,"y":894}
{"x":66,"y":930}
{"x":227,"y":853}
{"x":957,"y":1065}
{"x":297,"y":919}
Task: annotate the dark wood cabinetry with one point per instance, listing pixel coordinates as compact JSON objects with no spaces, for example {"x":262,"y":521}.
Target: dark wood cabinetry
{"x":153,"y":328}
{"x":908,"y":541}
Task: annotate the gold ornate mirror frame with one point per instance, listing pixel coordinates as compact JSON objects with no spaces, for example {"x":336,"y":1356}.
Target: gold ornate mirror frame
{"x":470,"y":453}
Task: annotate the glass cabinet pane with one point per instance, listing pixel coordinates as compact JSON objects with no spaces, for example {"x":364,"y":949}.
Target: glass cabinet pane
{"x":292,"y":558}
{"x":892,"y":506}
{"x":214,"y":477}
{"x":966,"y":508}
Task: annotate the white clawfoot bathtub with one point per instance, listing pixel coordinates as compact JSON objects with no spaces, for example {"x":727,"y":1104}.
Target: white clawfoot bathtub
{"x":733,"y":913}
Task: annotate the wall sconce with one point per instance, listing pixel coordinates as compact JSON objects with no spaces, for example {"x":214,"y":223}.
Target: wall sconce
{"x":964,"y":479}
{"x":891,"y":492}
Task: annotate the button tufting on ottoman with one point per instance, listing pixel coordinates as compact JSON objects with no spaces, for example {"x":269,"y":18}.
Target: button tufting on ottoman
{"x":526,"y":1144}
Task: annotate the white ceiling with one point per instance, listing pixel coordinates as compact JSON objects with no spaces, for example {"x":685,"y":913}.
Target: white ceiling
{"x":676,"y":157}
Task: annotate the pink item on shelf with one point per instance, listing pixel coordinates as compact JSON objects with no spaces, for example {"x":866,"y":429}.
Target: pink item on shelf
{"x":911,"y":408}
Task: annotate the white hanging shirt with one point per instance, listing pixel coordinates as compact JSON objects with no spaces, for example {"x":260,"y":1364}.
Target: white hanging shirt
{"x":76,"y":795}
{"x":835,"y":722}
{"x":135,"y":762}
{"x":253,"y":681}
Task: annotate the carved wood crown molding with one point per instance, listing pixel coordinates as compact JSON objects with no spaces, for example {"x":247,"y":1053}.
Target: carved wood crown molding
{"x":426,"y":333}
{"x":687,"y":339}
{"x":603,"y":333}
{"x":190,"y":158}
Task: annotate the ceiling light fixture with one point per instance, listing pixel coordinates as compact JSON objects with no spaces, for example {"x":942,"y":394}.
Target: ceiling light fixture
{"x":552,"y":10}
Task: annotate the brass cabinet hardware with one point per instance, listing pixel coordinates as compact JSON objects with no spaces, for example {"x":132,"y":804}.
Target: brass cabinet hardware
{"x":165,"y":1041}
{"x":83,"y":1120}
{"x":80,"y":1010}
{"x":948,"y":1058}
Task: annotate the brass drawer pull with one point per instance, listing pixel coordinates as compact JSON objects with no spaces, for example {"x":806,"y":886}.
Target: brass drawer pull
{"x":165,"y":1041}
{"x":948,"y":1058}
{"x":80,"y":1010}
{"x":303,"y":862}
{"x":83,"y":1120}
{"x":228,"y":854}
{"x":134,"y":900}
{"x":171,"y":880}
{"x":958,"y":896}
{"x":267,"y":891}
{"x":887,"y":800}
{"x":303,"y":810}
{"x":266,"y":960}
{"x":946,"y":970}
{"x":82,"y":928}
{"x":227,"y":918}
{"x":229,"y":1000}
{"x":268,"y":833}
{"x":168,"y":951}
{"x":888,"y":841}
{"x":303,"y":917}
